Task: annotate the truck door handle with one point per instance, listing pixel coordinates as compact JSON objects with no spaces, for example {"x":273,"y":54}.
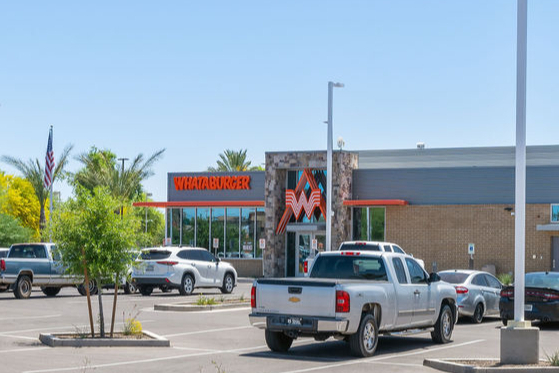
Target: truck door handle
{"x":417,"y":292}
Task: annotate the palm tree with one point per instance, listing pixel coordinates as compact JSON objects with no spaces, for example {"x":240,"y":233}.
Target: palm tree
{"x":233,"y":161}
{"x":34,"y":172}
{"x":125,"y":184}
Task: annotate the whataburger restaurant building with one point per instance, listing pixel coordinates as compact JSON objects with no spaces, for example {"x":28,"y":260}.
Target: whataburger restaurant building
{"x":453,"y":208}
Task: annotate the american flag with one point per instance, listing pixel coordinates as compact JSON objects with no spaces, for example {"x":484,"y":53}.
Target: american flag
{"x":49,"y":162}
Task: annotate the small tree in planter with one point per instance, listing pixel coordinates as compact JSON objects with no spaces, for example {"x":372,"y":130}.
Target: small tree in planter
{"x":94,"y":241}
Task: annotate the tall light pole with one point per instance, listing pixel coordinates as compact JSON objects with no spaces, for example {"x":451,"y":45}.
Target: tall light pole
{"x":147,"y":195}
{"x":330,"y":145}
{"x":121,"y":177}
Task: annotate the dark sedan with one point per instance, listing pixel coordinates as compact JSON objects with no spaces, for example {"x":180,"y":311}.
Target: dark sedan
{"x":541,"y":299}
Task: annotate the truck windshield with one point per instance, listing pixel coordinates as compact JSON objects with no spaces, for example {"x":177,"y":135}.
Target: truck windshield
{"x":347,"y":267}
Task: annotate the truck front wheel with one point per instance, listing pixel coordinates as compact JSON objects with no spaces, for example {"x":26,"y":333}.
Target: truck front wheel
{"x":364,"y":342}
{"x":23,"y":288}
{"x":277,"y":341}
{"x":444,"y":326}
{"x":50,"y":291}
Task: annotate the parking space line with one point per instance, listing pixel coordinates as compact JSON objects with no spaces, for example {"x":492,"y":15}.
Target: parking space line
{"x":29,"y":317}
{"x":391,"y":356}
{"x":150,"y":309}
{"x":18,"y":337}
{"x":23,"y":350}
{"x":196,"y":349}
{"x":7,"y":333}
{"x":207,"y":331}
{"x":399,"y":364}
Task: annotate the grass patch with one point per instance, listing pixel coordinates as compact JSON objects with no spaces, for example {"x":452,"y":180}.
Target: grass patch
{"x":205,"y":301}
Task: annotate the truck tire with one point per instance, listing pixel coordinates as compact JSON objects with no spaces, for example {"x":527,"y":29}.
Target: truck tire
{"x":228,"y":284}
{"x":50,"y":291}
{"x":478,"y":314}
{"x":92,"y":289}
{"x":23,"y":287}
{"x":146,"y":290}
{"x":187,"y":284}
{"x":277,"y":341}
{"x":130,"y":287}
{"x":443,"y":326}
{"x":364,"y":342}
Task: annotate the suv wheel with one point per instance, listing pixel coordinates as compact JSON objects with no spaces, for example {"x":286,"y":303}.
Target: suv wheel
{"x":187,"y":284}
{"x":146,"y":290}
{"x":228,"y":284}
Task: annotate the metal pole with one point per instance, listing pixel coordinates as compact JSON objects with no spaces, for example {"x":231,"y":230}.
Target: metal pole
{"x":147,"y":195}
{"x":520,"y":182}
{"x":121,"y":176}
{"x":329,"y":171}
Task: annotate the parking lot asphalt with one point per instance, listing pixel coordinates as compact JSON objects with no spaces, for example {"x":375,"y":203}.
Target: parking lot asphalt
{"x":213,"y":341}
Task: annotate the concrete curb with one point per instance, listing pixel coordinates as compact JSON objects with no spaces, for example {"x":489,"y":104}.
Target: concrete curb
{"x":53,"y":341}
{"x":187,"y":307}
{"x":452,"y":365}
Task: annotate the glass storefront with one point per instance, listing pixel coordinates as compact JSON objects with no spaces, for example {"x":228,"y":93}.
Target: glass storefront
{"x":368,"y":223}
{"x":236,"y":230}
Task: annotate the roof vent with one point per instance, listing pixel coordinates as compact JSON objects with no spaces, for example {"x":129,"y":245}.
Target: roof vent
{"x":420,"y":145}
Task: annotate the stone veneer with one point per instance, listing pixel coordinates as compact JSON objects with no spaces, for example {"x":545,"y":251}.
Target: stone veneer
{"x":277,"y":165}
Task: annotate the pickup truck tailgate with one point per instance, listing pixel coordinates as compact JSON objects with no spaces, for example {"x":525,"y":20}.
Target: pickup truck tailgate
{"x":304,"y":297}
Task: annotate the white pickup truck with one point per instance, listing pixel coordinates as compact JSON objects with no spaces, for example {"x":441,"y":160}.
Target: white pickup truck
{"x":354,"y":296}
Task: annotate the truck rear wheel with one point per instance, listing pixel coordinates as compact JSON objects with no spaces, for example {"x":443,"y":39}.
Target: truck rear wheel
{"x":364,"y":342}
{"x":50,"y":291}
{"x":23,"y":288}
{"x":277,"y":341}
{"x":444,"y":326}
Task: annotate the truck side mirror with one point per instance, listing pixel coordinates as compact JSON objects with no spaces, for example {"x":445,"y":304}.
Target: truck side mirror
{"x":434,"y":277}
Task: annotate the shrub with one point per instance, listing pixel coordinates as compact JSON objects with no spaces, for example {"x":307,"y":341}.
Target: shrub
{"x":505,"y":278}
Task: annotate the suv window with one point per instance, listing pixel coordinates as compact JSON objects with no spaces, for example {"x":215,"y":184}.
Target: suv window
{"x":400,"y":272}
{"x":185,"y":254}
{"x":387,"y":248}
{"x":359,"y":247}
{"x":398,"y":249}
{"x":28,"y":252}
{"x":416,"y":272}
{"x":155,"y":254}
{"x":206,"y":256}
{"x":479,"y":280}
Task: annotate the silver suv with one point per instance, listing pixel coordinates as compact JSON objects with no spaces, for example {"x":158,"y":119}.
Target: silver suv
{"x":183,"y":268}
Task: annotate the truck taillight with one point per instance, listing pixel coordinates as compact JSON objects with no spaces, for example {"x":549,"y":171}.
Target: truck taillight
{"x":306,"y":267}
{"x":253,"y":297}
{"x":2,"y":265}
{"x":342,"y":301}
{"x":461,"y":290}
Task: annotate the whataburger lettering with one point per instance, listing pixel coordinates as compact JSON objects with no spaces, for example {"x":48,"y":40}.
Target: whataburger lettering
{"x":212,"y":182}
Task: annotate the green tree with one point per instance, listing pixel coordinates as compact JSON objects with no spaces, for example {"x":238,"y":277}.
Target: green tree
{"x":34,"y":172}
{"x":231,"y":160}
{"x":11,"y":231}
{"x":94,"y":241}
{"x":155,"y":233}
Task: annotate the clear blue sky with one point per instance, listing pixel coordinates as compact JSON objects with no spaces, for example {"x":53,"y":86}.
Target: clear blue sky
{"x":200,"y":77}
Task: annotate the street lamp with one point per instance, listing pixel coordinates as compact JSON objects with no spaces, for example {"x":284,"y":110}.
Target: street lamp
{"x":330,"y":145}
{"x":147,"y":195}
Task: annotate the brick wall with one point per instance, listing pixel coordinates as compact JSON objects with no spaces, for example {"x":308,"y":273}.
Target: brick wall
{"x":442,"y":233}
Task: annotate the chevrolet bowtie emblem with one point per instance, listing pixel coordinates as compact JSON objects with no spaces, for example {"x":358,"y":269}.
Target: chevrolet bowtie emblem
{"x":294,"y":300}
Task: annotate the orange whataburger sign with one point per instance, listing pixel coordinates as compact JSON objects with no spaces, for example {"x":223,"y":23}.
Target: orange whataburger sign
{"x":211,"y":182}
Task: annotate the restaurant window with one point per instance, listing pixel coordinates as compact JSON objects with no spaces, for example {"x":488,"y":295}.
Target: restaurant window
{"x":218,"y":231}
{"x":232,"y":233}
{"x":555,"y":213}
{"x":188,"y":225}
{"x":260,"y":230}
{"x":376,"y":223}
{"x":369,"y":223}
{"x":175,"y":226}
{"x":360,"y":224}
{"x":247,"y":232}
{"x":203,"y":228}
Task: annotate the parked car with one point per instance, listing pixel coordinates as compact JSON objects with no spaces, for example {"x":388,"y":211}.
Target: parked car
{"x":541,"y":299}
{"x":477,"y":292}
{"x":183,"y":268}
{"x":354,"y":296}
{"x":34,"y":264}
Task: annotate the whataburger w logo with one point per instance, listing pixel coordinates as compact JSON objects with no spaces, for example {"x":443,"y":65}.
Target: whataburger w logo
{"x":296,"y":201}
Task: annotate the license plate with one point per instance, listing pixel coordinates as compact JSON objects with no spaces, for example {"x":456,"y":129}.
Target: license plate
{"x":149,"y":268}
{"x":528,"y":307}
{"x":294,"y":321}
